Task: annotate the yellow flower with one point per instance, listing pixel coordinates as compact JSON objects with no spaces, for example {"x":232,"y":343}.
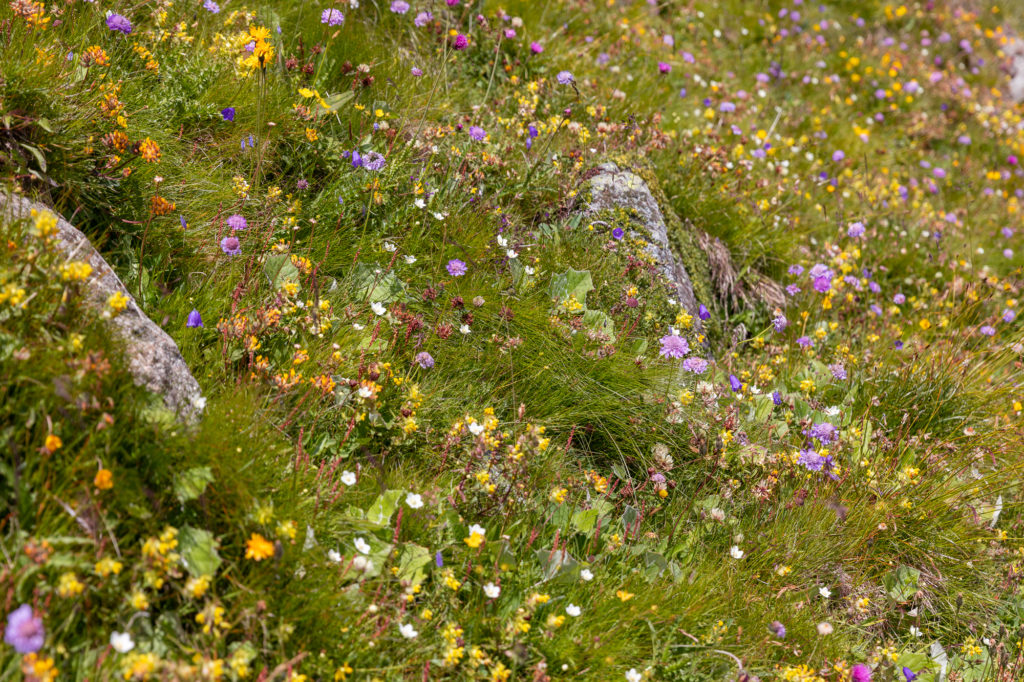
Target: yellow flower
{"x":118,"y":302}
{"x":149,"y":150}
{"x":287,"y":530}
{"x":38,"y":668}
{"x":104,"y":479}
{"x":139,"y":601}
{"x":69,"y":585}
{"x":53,"y":443}
{"x":75,"y":271}
{"x":45,"y":223}
{"x":258,"y":548}
{"x":196,"y":587}
{"x":107,"y":566}
{"x":474,"y":540}
{"x":343,"y":672}
{"x":623,"y":595}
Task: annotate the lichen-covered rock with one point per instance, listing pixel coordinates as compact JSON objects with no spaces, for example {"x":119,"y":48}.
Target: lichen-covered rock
{"x":613,"y":188}
{"x":153,"y":358}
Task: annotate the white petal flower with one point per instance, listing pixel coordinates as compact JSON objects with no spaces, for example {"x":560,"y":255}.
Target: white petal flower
{"x":389,"y":247}
{"x":573,"y":610}
{"x":358,"y":327}
{"x":824,"y":629}
{"x":334,"y":556}
{"x":502,"y":241}
{"x":414,"y":500}
{"x":915,"y":631}
{"x":735,"y":552}
{"x":410,"y":259}
{"x":825,"y":592}
{"x":378,"y":308}
{"x":586,"y":575}
{"x":478,"y":529}
{"x":476,"y":428}
{"x":408,"y":631}
{"x":361,"y":563}
{"x":464,"y":329}
{"x":122,"y":642}
{"x":492,"y":591}
{"x":633,"y":676}
{"x":348,"y":478}
{"x":511,"y":253}
{"x":362,"y":545}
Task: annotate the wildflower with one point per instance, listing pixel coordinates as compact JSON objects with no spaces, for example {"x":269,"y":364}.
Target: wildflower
{"x":399,"y":6}
{"x":456,"y":268}
{"x":332,"y":17}
{"x":477,"y":133}
{"x":825,"y":629}
{"x":194,"y":319}
{"x":118,"y":302}
{"x":703,"y":312}
{"x":228,"y":113}
{"x":414,"y":501}
{"x":107,"y":566}
{"x":824,"y":592}
{"x":633,"y":675}
{"x":695,"y":365}
{"x":573,"y":610}
{"x":424,"y":360}
{"x":777,"y":629}
{"x":24,"y":630}
{"x":231,"y":246}
{"x":122,"y":642}
{"x":586,"y":575}
{"x":258,"y":548}
{"x":492,"y":591}
{"x":908,"y":674}
{"x":52,"y":443}
{"x":407,"y":630}
{"x":860,"y":673}
{"x":373,"y":161}
{"x":674,"y":346}
{"x":477,"y":534}
{"x":237,"y":222}
{"x":348,"y":478}
{"x":536,"y":47}
{"x":149,"y":150}
{"x":564,"y":77}
{"x":735,"y":552}
{"x":69,"y":585}
{"x":334,"y":556}
{"x":211,"y":7}
{"x":664,"y":68}
{"x":735,"y":384}
{"x":855,"y":230}
{"x":117,"y":22}
{"x":103,"y":480}
{"x":422,"y":19}
{"x":75,"y":271}
{"x":461,"y":42}
{"x":618,"y":233}
{"x":362,"y":546}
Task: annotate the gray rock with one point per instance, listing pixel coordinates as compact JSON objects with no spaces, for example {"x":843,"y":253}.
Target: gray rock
{"x":153,"y":358}
{"x":613,"y":188}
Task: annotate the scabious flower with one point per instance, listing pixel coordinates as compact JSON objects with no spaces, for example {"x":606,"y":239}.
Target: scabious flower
{"x":194,"y":319}
{"x":695,"y":365}
{"x":822,"y":276}
{"x":332,"y":17}
{"x":231,"y":246}
{"x":825,"y":432}
{"x":237,"y":222}
{"x":477,"y":133}
{"x":838,"y":371}
{"x":811,"y":460}
{"x":118,"y":22}
{"x":424,"y":360}
{"x":399,"y":6}
{"x":565,"y":77}
{"x":211,"y":7}
{"x":371,"y":161}
{"x":855,"y":230}
{"x":24,"y":630}
{"x":777,"y":629}
{"x":779,"y":322}
{"x":674,"y":346}
{"x":422,"y":19}
{"x":456,"y":267}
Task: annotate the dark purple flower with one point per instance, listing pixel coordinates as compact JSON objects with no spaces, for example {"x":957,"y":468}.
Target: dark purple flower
{"x":777,"y":629}
{"x":664,"y":67}
{"x":194,"y":319}
{"x":24,"y":630}
{"x":776,"y":398}
{"x":118,"y":22}
{"x":231,"y":246}
{"x":674,"y":346}
{"x":184,"y":225}
{"x":438,"y":560}
{"x":617,"y":233}
{"x":703,"y":312}
{"x":357,"y":159}
{"x":424,"y":360}
{"x":909,"y":674}
{"x":456,"y":268}
{"x":734,"y":383}
{"x":237,"y":222}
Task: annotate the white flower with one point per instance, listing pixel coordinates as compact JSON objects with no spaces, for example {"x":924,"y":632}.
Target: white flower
{"x":573,"y":610}
{"x":492,"y":591}
{"x":408,"y":631}
{"x":735,"y":552}
{"x":476,"y":428}
{"x":511,"y":253}
{"x":915,"y":631}
{"x":414,"y":501}
{"x":529,"y":270}
{"x":389,"y":247}
{"x":825,"y":592}
{"x":587,"y":575}
{"x":824,"y":628}
{"x":358,"y":327}
{"x":122,"y":642}
{"x":464,"y":329}
{"x":502,"y":241}
{"x":354,"y":4}
{"x":348,"y":478}
{"x":440,"y":216}
{"x":420,"y":203}
{"x":365,"y":391}
{"x":334,"y":556}
{"x":362,"y":545}
{"x":410,"y":259}
{"x":832,"y":411}
{"x":378,"y":308}
{"x":717,"y":514}
{"x":478,"y":529}
{"x":633,"y":676}
{"x":361,"y":563}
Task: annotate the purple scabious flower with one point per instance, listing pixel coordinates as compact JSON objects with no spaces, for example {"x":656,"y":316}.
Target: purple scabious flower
{"x":211,"y":7}
{"x":564,"y":77}
{"x":796,"y":270}
{"x":456,"y":268}
{"x":855,"y":230}
{"x":695,"y":365}
{"x":735,"y":384}
{"x":617,"y":233}
{"x":461,"y":42}
{"x":822,"y":276}
{"x":424,"y":360}
{"x":422,"y":19}
{"x":860,"y":673}
{"x":399,"y":6}
{"x":811,"y":460}
{"x":332,"y":17}
{"x":674,"y":346}
{"x":228,"y":113}
{"x":899,"y":299}
{"x":780,"y":322}
{"x":118,"y":22}
{"x":824,"y":432}
{"x":237,"y":222}
{"x":24,"y":630}
{"x":194,"y":319}
{"x":793,"y":289}
{"x":231,"y":246}
{"x":838,"y":371}
{"x":805,"y":341}
{"x":477,"y":133}
{"x":777,"y":629}
{"x":987,"y":330}
{"x":1009,"y":315}
{"x":838,"y":155}
{"x":703,"y":312}
{"x":372,"y":161}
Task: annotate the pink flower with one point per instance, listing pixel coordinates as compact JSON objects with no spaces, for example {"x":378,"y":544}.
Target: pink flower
{"x":674,"y":346}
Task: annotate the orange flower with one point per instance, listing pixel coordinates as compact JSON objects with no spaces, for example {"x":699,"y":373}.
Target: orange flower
{"x":258,"y":548}
{"x":149,"y":150}
{"x":53,"y":443}
{"x":104,"y":479}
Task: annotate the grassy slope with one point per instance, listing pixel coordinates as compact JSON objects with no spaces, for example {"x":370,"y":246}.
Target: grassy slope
{"x":928,"y":432}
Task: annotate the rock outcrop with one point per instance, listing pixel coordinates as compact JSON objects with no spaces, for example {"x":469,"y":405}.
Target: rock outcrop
{"x":153,"y":358}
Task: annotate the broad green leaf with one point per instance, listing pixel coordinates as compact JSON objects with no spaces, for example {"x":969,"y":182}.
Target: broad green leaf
{"x":383,"y":507}
{"x":375,"y":285}
{"x":575,"y":283}
{"x":598,"y":321}
{"x":585,"y":520}
{"x":412,"y":564}
{"x":190,"y":484}
{"x":279,"y":268}
{"x":198,"y":551}
{"x":901,"y":584}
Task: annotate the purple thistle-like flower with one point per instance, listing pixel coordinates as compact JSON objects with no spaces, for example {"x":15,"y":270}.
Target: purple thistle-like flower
{"x":734,"y":383}
{"x":461,"y":42}
{"x":664,"y":67}
{"x":399,"y":6}
{"x":536,"y":47}
{"x":237,"y":222}
{"x":118,"y":22}
{"x":477,"y":133}
{"x":231,"y":246}
{"x":424,"y":360}
{"x":780,"y":323}
{"x":860,"y":673}
{"x":456,"y":267}
{"x":332,"y":17}
{"x":695,"y":365}
{"x":674,"y":346}
{"x":211,"y":7}
{"x":194,"y":319}
{"x":24,"y":630}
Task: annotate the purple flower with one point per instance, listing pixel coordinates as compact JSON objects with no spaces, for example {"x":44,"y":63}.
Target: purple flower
{"x":855,"y":230}
{"x":416,"y":71}
{"x":332,"y":17}
{"x":811,"y":460}
{"x":792,"y":289}
{"x":822,"y":276}
{"x":988,"y":330}
{"x":1009,"y":315}
{"x":399,"y":6}
{"x":438,"y":560}
{"x":703,"y":312}
{"x":424,"y":360}
{"x":194,"y":319}
{"x":422,"y":19}
{"x":617,"y":233}
{"x":838,"y":371}
{"x":860,"y":673}
{"x":117,"y":22}
{"x":825,"y":432}
{"x":536,"y":48}
{"x":565,"y":77}
{"x":899,"y":299}
{"x":211,"y":7}
{"x":231,"y":246}
{"x":735,"y":384}
{"x":373,"y":161}
{"x":674,"y":346}
{"x":664,"y":67}
{"x":456,"y":268}
{"x":357,"y":159}
{"x":477,"y":133}
{"x":24,"y":630}
{"x":461,"y":42}
{"x":695,"y":365}
{"x":805,"y":342}
{"x":237,"y":222}
{"x":776,"y":398}
{"x":796,"y":270}
{"x":228,"y":113}
{"x":838,"y":155}
{"x":777,"y":629}
{"x":909,"y":674}
{"x":780,"y":322}
{"x":184,"y":225}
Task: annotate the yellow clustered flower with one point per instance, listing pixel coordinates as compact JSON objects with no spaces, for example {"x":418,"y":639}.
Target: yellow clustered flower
{"x":118,"y":302}
{"x":262,"y":51}
{"x":75,"y":271}
{"x":38,"y":668}
{"x":197,"y":587}
{"x":258,"y":548}
{"x":69,"y":586}
{"x":107,"y":566}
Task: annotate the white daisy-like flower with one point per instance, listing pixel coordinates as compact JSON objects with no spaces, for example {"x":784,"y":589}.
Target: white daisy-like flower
{"x":573,"y":610}
{"x":414,"y":500}
{"x":464,"y":329}
{"x":502,"y":242}
{"x":358,"y":327}
{"x":476,"y":428}
{"x":348,"y":478}
{"x":389,"y":247}
{"x":632,"y":675}
{"x":915,"y":631}
{"x":361,"y":563}
{"x":511,"y":253}
{"x":334,"y":556}
{"x":365,"y":392}
{"x":362,"y":545}
{"x":408,"y":631}
{"x":735,"y":552}
{"x":587,"y":575}
{"x":420,"y":203}
{"x":378,"y":308}
{"x":492,"y":591}
{"x":122,"y":642}
{"x":529,"y":270}
{"x":825,"y":592}
{"x":410,"y":259}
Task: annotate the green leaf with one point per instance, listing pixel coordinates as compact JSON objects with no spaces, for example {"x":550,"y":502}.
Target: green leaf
{"x":901,"y":584}
{"x":412,"y":564}
{"x":629,"y":517}
{"x":336,"y":101}
{"x":383,"y":507}
{"x":571,"y":283}
{"x":376,"y":287}
{"x":598,"y":321}
{"x":278,"y":268}
{"x":190,"y":484}
{"x":198,"y":551}
{"x":556,"y":564}
{"x":585,"y":520}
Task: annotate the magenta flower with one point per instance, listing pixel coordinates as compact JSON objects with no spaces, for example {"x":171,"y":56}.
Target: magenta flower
{"x":456,"y":268}
{"x":461,"y":42}
{"x":536,"y":48}
{"x":860,"y":673}
{"x":674,"y":346}
{"x":24,"y":630}
{"x":664,"y":67}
